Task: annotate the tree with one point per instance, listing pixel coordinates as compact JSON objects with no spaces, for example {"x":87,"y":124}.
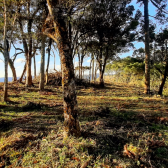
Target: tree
{"x":27,"y":19}
{"x":160,"y":7}
{"x":56,"y":28}
{"x":110,"y":24}
{"x":161,"y":39}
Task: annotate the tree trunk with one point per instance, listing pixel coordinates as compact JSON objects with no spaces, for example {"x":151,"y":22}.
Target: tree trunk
{"x":81,"y":69}
{"x":101,"y":81}
{"x":41,"y":84}
{"x":13,"y":70}
{"x":60,"y":35}
{"x":34,"y":66}
{"x":28,"y":72}
{"x":147,"y":51}
{"x":95,"y":75}
{"x":164,"y":75}
{"x":54,"y":61}
{"x":29,"y":56}
{"x":79,"y":66}
{"x":93,"y":68}
{"x":6,"y":54}
{"x":24,"y":71}
{"x":48,"y":61}
{"x":90,"y":71}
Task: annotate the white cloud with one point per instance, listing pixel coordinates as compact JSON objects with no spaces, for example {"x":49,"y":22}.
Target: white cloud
{"x":39,"y":62}
{"x":89,"y":60}
{"x":1,"y":61}
{"x":20,"y":60}
{"x":18,"y":67}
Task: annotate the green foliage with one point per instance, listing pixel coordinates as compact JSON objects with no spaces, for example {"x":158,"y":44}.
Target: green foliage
{"x":127,"y":65}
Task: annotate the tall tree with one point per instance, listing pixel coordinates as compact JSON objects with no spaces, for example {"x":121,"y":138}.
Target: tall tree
{"x":111,"y":25}
{"x":147,"y":51}
{"x":160,"y":7}
{"x":56,"y":28}
{"x":27,"y":19}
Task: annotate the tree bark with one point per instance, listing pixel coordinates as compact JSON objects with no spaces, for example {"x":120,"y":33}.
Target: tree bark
{"x":164,"y":76}
{"x":79,"y":69}
{"x":29,"y":56}
{"x":41,"y":84}
{"x":92,"y":68}
{"x":34,"y":66}
{"x":48,"y":60}
{"x":11,"y":64}
{"x":147,"y":51}
{"x":101,"y":81}
{"x":60,"y":35}
{"x":24,"y":71}
{"x":95,"y":75}
{"x":6,"y":54}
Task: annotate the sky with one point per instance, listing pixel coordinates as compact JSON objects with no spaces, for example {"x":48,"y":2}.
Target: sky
{"x":20,"y":60}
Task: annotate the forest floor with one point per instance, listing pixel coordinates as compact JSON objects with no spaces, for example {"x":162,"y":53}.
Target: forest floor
{"x":121,"y":127}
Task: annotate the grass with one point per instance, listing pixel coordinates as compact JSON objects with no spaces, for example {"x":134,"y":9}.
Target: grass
{"x":121,"y":127}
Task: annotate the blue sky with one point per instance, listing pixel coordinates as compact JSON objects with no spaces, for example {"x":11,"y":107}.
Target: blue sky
{"x":20,"y":60}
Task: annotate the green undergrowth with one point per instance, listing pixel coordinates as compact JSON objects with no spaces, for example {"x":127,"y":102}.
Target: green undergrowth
{"x":120,"y":127}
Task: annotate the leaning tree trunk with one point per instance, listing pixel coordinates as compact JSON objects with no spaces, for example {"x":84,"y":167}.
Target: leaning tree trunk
{"x":13,"y":70}
{"x":164,"y":75}
{"x":24,"y":71}
{"x":60,"y":35}
{"x":41,"y":84}
{"x":48,"y":61}
{"x":147,"y":51}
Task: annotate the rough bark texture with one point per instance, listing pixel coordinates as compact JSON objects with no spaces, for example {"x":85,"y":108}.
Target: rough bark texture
{"x":147,"y":52}
{"x":164,"y":76}
{"x":60,"y":35}
{"x":48,"y":60}
{"x":41,"y":84}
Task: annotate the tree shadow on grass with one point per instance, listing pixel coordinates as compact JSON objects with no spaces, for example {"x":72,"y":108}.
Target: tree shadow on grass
{"x":113,"y":130}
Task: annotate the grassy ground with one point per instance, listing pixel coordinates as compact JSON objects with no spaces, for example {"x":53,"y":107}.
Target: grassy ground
{"x":121,"y":127}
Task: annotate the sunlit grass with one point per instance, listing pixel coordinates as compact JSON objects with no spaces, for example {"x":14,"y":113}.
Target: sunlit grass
{"x":133,"y":119}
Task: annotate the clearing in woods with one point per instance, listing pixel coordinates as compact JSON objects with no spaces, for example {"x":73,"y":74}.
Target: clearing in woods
{"x":121,"y":127}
